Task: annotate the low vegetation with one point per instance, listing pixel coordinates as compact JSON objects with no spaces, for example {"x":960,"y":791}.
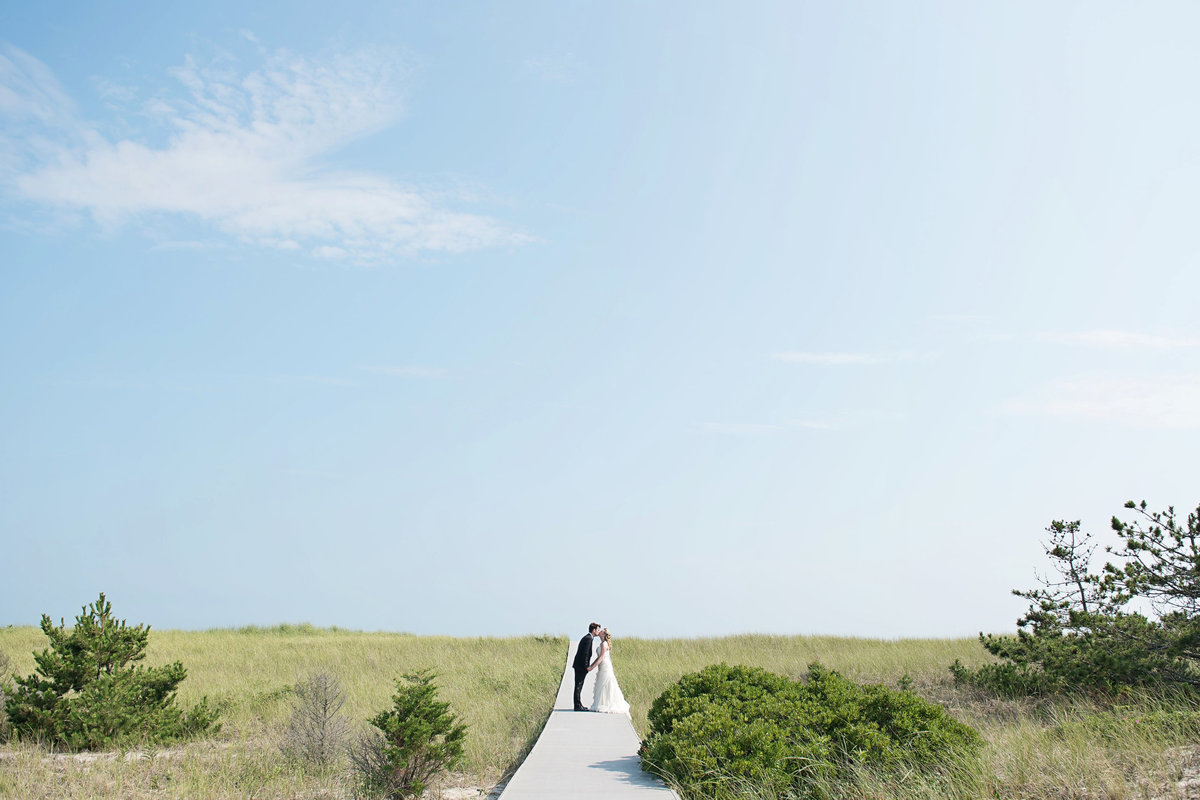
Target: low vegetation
{"x":1054,"y":747}
{"x":4,"y":662}
{"x":502,"y":689}
{"x":317,"y":729}
{"x":89,"y":692}
{"x":416,"y":740}
{"x":718,"y":730}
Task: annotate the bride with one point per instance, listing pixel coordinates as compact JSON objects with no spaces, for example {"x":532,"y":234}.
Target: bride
{"x":607,"y":696}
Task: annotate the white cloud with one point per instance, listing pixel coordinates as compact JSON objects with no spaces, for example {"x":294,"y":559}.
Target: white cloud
{"x":410,"y":372}
{"x":323,"y":380}
{"x":741,"y":427}
{"x":28,"y":90}
{"x":324,"y":251}
{"x":559,"y":69}
{"x":847,"y":359}
{"x":1119,"y":340}
{"x":958,"y":317}
{"x":242,"y":154}
{"x":183,"y":245}
{"x":115,"y":94}
{"x":1166,"y":403}
{"x":812,"y":424}
{"x":762,"y":427}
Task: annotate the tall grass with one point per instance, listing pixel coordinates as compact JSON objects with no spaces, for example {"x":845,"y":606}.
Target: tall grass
{"x":647,"y":666}
{"x":1139,"y":746}
{"x":504,"y":689}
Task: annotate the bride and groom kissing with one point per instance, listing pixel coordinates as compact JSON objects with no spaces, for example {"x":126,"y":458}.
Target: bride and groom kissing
{"x":595,"y":653}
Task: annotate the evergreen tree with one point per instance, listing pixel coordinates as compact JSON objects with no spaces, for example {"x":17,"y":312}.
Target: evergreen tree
{"x":89,"y":692}
{"x":1135,"y":623}
{"x":420,"y":738}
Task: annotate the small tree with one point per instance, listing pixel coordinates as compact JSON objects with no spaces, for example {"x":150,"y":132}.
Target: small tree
{"x":1085,"y":630}
{"x":87,"y":694}
{"x":419,"y":738}
{"x":1162,"y":565}
{"x":316,"y":731}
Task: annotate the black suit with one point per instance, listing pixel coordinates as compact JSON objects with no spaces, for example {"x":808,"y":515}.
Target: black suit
{"x":583,"y":657}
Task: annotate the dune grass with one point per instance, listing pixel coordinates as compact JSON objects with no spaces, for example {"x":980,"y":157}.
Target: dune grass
{"x":502,"y":688}
{"x":1139,"y":747}
{"x":647,"y":666}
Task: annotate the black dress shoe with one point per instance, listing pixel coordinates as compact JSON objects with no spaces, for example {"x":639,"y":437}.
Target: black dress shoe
{"x":583,"y":708}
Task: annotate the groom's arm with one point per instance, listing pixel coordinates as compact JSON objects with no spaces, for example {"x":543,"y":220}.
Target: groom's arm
{"x":597,"y":660}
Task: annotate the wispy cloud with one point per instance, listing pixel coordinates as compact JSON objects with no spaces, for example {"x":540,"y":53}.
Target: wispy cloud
{"x":410,"y":371}
{"x":958,"y":317}
{"x":242,"y":153}
{"x":849,"y":359}
{"x":321,"y":380}
{"x":558,"y":69}
{"x":1165,"y":403}
{"x":812,"y":424}
{"x":183,"y":245}
{"x":753,"y":428}
{"x":742,"y":427}
{"x":195,"y":382}
{"x":29,"y":90}
{"x":1119,"y":340}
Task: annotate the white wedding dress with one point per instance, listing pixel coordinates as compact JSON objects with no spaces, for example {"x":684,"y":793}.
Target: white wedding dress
{"x":606,"y":695}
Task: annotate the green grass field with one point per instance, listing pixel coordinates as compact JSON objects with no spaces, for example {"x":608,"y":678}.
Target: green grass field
{"x":504,"y":689}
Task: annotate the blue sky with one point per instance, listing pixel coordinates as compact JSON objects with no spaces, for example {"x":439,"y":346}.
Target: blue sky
{"x":493,"y":319}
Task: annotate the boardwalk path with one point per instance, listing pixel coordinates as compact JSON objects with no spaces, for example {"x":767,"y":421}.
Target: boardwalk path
{"x":584,"y":755}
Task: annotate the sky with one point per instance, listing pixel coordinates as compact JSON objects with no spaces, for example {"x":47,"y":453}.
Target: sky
{"x":493,"y":319}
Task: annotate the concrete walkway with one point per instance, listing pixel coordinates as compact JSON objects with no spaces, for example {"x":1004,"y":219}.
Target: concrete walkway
{"x":584,"y":755}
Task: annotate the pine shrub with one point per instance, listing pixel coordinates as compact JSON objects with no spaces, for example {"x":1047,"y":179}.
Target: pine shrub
{"x":1134,"y":623}
{"x":87,"y":693}
{"x":417,"y":739}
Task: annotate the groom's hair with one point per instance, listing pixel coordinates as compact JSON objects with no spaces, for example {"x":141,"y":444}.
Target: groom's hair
{"x":595,"y":626}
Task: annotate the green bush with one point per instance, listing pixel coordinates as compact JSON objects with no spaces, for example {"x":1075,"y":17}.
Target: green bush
{"x":86,"y":694}
{"x":418,"y":738}
{"x":735,"y":725}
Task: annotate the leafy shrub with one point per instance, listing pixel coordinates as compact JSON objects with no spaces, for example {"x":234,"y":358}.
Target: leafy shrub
{"x":316,"y":731}
{"x":1083,"y":630}
{"x":418,"y":738}
{"x":87,"y":695}
{"x":752,"y":726}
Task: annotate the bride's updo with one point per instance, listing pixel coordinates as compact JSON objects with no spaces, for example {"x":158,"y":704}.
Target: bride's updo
{"x":605,"y":635}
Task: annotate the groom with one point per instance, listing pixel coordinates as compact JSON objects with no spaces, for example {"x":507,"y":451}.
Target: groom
{"x":583,"y":661}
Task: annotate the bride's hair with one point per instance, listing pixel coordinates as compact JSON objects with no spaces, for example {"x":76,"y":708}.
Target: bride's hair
{"x":605,"y":635}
